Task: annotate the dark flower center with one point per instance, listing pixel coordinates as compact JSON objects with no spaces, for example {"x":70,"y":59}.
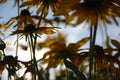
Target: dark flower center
{"x":65,"y":53}
{"x":94,"y":3}
{"x":29,"y":27}
{"x":25,"y":12}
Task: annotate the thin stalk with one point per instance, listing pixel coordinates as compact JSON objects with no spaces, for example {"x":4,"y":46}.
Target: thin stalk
{"x":41,"y":15}
{"x":17,"y":45}
{"x":95,"y":32}
{"x":29,"y":42}
{"x":3,"y":53}
{"x":91,"y":54}
{"x":92,"y":47}
{"x":94,"y":40}
{"x":30,"y":49}
{"x":18,"y":3}
{"x":66,"y":74}
{"x":95,"y":70}
{"x":34,"y":46}
{"x":34,"y":58}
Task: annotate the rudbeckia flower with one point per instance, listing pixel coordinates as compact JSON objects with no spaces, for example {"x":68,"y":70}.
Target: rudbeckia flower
{"x":59,"y":51}
{"x":31,"y":29}
{"x":91,"y":11}
{"x":104,"y":62}
{"x":53,"y":4}
{"x":24,"y":18}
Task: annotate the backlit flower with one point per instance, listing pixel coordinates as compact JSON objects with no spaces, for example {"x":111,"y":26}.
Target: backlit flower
{"x":53,"y":4}
{"x":59,"y":50}
{"x":104,"y":62}
{"x":91,"y":11}
{"x":31,"y":29}
{"x":24,"y":18}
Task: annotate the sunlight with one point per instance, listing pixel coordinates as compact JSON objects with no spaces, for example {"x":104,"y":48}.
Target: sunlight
{"x":59,"y":39}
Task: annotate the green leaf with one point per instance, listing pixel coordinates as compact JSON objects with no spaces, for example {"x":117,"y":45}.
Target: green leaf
{"x":79,"y":74}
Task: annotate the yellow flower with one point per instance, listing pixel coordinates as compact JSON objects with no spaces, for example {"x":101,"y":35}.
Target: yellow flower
{"x":53,"y":4}
{"x":91,"y":11}
{"x":59,"y":50}
{"x":30,"y":29}
{"x":24,"y":18}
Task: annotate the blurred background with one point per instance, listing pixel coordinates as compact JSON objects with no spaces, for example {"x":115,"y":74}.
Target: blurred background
{"x":7,"y":11}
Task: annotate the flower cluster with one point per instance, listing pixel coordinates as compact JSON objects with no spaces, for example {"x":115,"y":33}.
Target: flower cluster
{"x":90,"y":11}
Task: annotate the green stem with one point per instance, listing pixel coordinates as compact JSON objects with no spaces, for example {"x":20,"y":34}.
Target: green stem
{"x":94,"y":40}
{"x":92,"y":46}
{"x":30,"y":49}
{"x":18,"y":3}
{"x":34,"y":65}
{"x":95,"y":70}
{"x":34,"y":46}
{"x":91,"y":54}
{"x":95,"y":32}
{"x":41,"y":15}
{"x":30,"y":45}
{"x":3,"y":53}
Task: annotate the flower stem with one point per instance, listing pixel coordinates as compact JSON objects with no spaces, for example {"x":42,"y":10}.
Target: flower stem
{"x":34,"y":46}
{"x":92,"y":47}
{"x":90,"y":54}
{"x":18,"y":10}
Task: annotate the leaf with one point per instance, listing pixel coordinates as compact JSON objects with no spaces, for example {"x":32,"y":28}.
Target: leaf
{"x":108,"y":42}
{"x":79,"y":74}
{"x":116,"y":43}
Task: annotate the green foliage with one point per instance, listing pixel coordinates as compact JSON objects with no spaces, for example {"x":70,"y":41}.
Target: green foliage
{"x":79,"y":74}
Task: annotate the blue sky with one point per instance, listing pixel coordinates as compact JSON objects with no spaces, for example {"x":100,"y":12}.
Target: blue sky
{"x":7,"y":11}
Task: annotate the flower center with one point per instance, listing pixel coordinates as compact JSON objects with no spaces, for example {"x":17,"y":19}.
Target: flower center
{"x":25,"y":12}
{"x":29,"y":27}
{"x":93,"y":3}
